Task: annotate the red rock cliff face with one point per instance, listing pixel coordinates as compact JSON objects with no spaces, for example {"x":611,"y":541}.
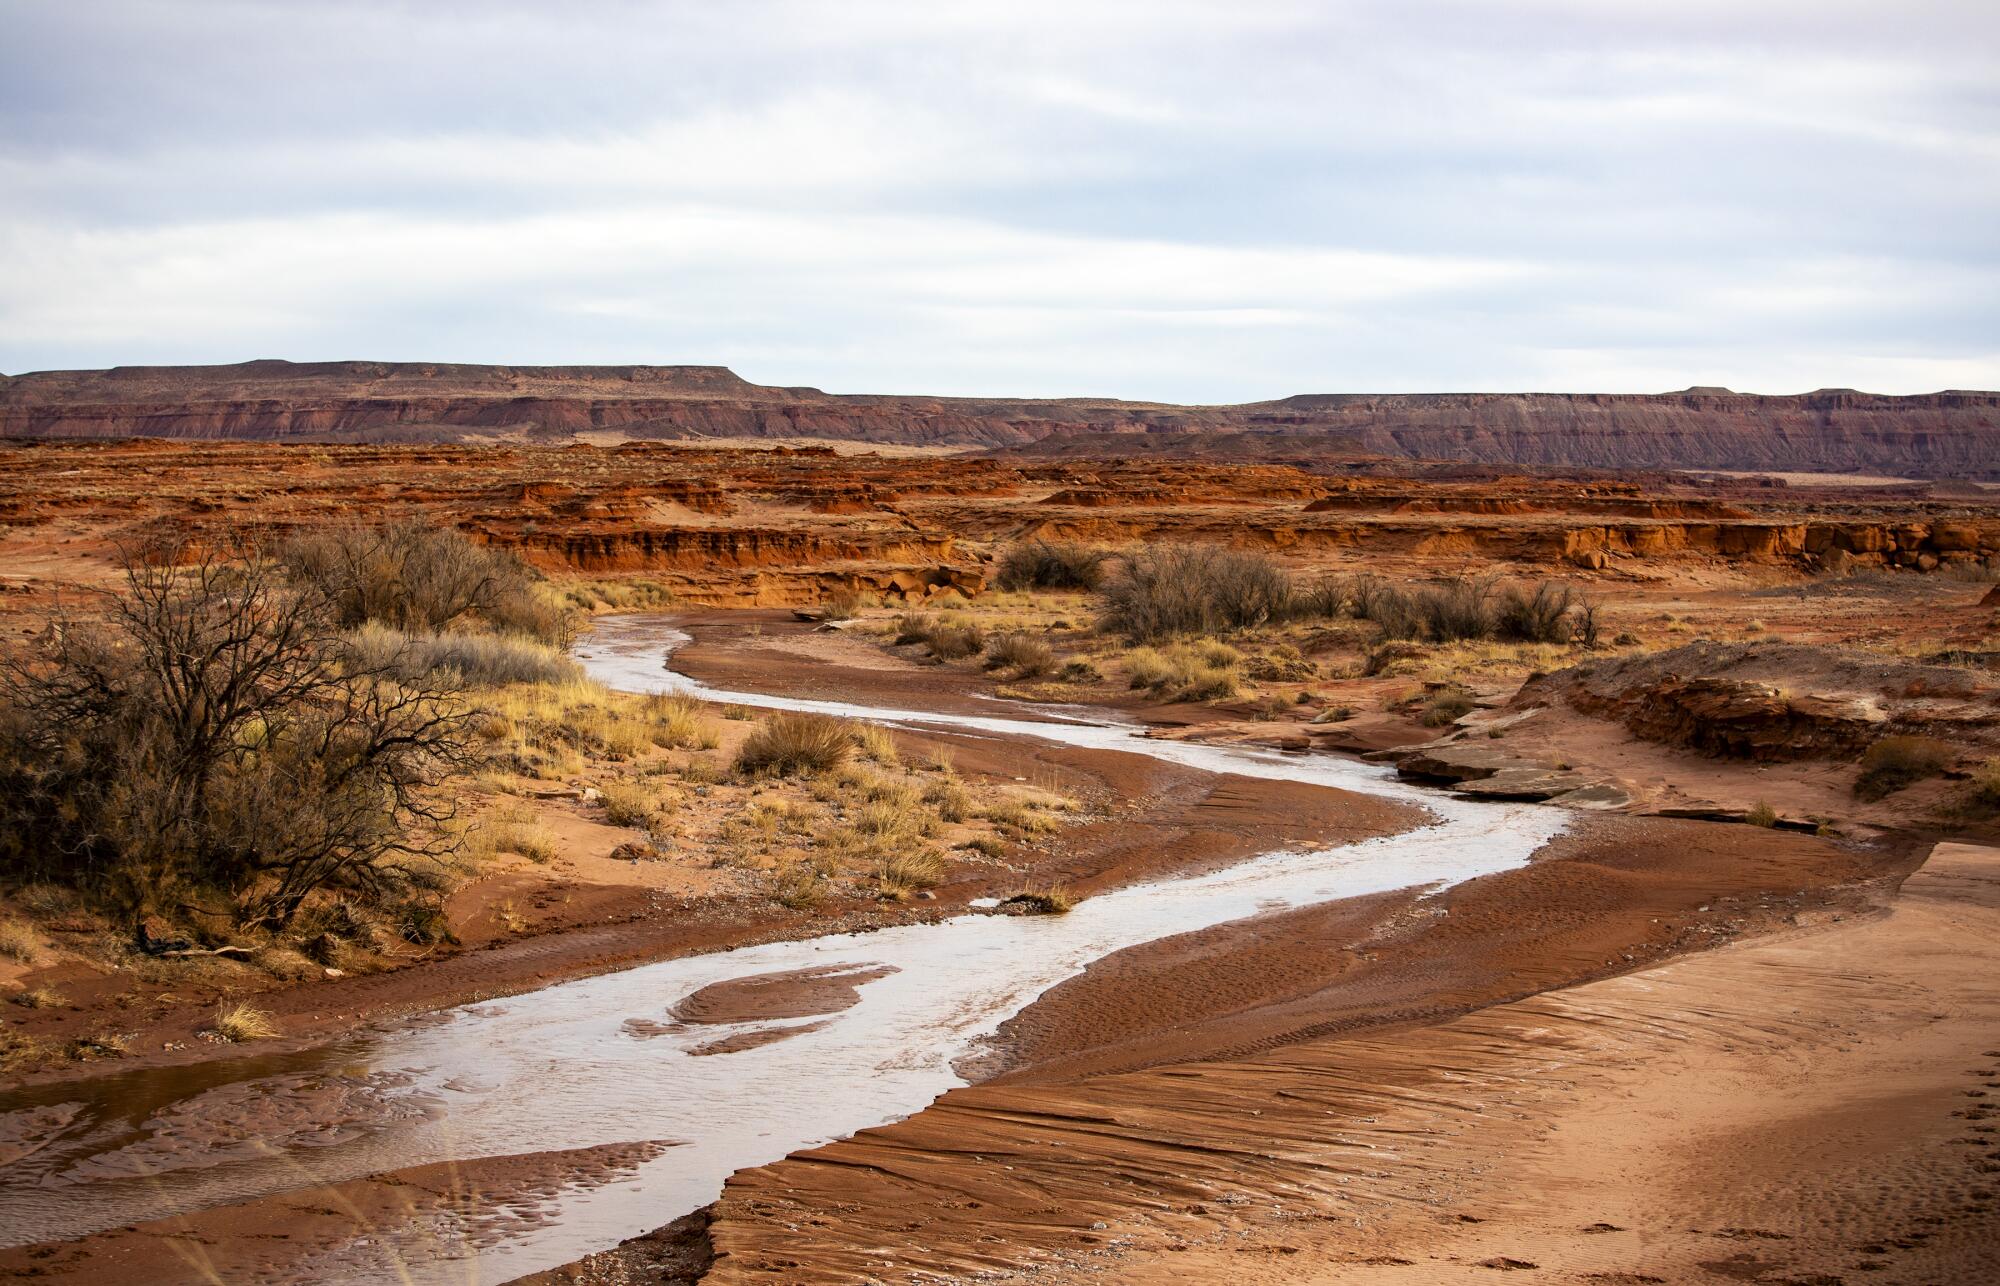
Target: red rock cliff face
{"x":1948,"y":435}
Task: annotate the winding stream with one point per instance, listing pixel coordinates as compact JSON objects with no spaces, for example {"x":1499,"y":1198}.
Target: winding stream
{"x":595,"y":1061}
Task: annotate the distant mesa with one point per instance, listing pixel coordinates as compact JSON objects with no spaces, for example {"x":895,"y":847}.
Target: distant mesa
{"x":1952,"y":434}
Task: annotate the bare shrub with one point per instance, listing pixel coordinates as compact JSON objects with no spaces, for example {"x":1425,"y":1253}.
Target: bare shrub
{"x":1896,"y":762}
{"x":1178,"y":590}
{"x":423,"y":578}
{"x":956,"y":641}
{"x":217,"y":733}
{"x":1047,"y":564}
{"x":1390,"y":607}
{"x":1761,"y":814}
{"x":1324,"y":599}
{"x":1542,"y":615}
{"x":789,"y":744}
{"x":1456,"y":609}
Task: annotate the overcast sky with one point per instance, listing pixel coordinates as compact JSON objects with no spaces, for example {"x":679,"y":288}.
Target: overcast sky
{"x":1172,"y":199}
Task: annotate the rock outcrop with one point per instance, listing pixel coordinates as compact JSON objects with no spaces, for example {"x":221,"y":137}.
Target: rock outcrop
{"x":1775,"y":701}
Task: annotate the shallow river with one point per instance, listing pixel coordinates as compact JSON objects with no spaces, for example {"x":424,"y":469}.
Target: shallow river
{"x":597,"y":1061}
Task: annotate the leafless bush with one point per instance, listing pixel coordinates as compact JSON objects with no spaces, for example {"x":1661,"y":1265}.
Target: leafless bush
{"x":1543,"y":615}
{"x":1390,"y":607}
{"x":1049,"y":564}
{"x":215,"y":732}
{"x":1324,"y":599}
{"x":1178,"y":590}
{"x":417,"y":577}
{"x":1456,"y":609}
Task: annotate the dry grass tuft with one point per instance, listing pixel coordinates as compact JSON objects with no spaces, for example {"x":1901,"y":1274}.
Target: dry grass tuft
{"x":1055,"y":899}
{"x":877,"y":745}
{"x":909,"y":868}
{"x":786,"y":745}
{"x":244,"y":1022}
{"x":1896,"y":762}
{"x":19,"y":942}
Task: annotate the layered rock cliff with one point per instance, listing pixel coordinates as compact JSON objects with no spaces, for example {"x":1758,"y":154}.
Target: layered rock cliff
{"x":1939,"y":435}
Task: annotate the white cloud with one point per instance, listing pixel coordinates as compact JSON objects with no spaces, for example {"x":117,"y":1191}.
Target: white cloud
{"x":1165,"y":198}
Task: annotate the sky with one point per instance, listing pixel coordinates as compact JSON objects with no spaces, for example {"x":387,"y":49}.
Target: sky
{"x":1177,"y":200}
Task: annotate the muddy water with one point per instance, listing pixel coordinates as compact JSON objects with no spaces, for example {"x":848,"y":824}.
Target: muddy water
{"x":605,"y":1060}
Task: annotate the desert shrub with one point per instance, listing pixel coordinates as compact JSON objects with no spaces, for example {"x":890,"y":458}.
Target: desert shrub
{"x":1986,"y":783}
{"x":1079,"y":672}
{"x":1178,"y":590}
{"x":422,"y":578}
{"x":844,"y":604}
{"x":1324,"y":599}
{"x":915,"y":627}
{"x":1541,"y":615}
{"x":956,"y":641}
{"x":1455,"y":609}
{"x":789,"y":744}
{"x":1761,"y":814}
{"x":1047,"y":564}
{"x":216,"y":731}
{"x":1895,"y":762}
{"x":1584,"y":630}
{"x":1027,"y":656}
{"x":454,"y":660}
{"x":1392,"y":608}
{"x":1442,"y":708}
